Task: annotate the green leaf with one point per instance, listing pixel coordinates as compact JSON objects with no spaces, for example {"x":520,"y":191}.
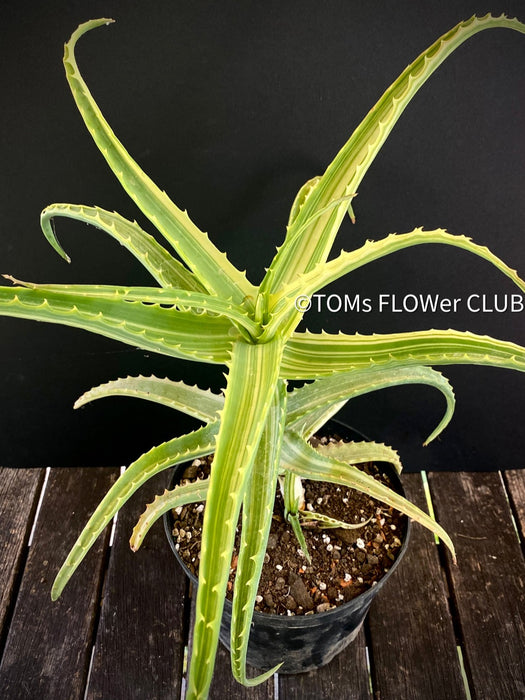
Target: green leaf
{"x":180,"y":299}
{"x":293,"y":497}
{"x":181,"y":495}
{"x":251,"y":383}
{"x":316,"y":419}
{"x":180,"y":449}
{"x":346,"y":171}
{"x":168,"y":271}
{"x":300,"y":198}
{"x":361,"y":452}
{"x":308,"y":463}
{"x":310,"y":355}
{"x":198,"y":403}
{"x":325,"y":273}
{"x":257,"y":511}
{"x":306,"y":402}
{"x":211,"y":267}
{"x":183,"y":334}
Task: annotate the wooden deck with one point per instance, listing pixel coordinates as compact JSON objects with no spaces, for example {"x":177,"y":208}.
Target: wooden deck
{"x":120,"y":630}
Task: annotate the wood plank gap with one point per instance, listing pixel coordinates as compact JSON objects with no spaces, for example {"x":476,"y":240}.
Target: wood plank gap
{"x":39,"y":505}
{"x":514,"y":486}
{"x":106,"y":557}
{"x":446,"y":564}
{"x":369,"y":659}
{"x":89,"y":670}
{"x":442,"y":550}
{"x":454,"y":616}
{"x":369,"y":669}
{"x":461,"y":658}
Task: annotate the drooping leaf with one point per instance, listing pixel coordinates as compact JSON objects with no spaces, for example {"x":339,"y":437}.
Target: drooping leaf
{"x":192,"y":492}
{"x":305,"y":408}
{"x":168,"y":271}
{"x":361,"y":452}
{"x":196,"y":444}
{"x":302,"y":459}
{"x":198,"y":403}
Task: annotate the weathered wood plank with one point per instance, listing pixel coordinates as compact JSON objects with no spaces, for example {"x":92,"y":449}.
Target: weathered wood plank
{"x":48,"y":647}
{"x":413,"y":650}
{"x":346,"y":676}
{"x":515,"y":481}
{"x":19,"y":494}
{"x":488,"y":582}
{"x":140,"y":641}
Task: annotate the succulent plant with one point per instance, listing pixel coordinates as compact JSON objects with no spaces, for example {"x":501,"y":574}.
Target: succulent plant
{"x":204,"y":309}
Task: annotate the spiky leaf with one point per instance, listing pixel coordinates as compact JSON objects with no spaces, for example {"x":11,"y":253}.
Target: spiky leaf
{"x":191,"y":446}
{"x":211,"y":267}
{"x":251,"y":383}
{"x":168,"y":271}
{"x":198,"y":403}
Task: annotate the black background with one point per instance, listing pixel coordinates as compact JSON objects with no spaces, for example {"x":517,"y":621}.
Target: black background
{"x":230,"y":107}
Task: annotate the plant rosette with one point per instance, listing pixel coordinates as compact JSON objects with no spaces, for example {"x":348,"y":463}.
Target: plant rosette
{"x":306,"y":638}
{"x":202,"y":308}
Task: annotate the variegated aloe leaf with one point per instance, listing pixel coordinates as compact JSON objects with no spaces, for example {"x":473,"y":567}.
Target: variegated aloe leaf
{"x":183,"y":334}
{"x":309,"y":463}
{"x":177,"y":299}
{"x":300,"y":198}
{"x":324,"y":274}
{"x":311,"y":355}
{"x":168,"y":271}
{"x":346,"y":171}
{"x":251,"y":383}
{"x":361,"y":452}
{"x":293,"y":497}
{"x":257,"y":511}
{"x":211,"y":267}
{"x":307,"y":404}
{"x":196,"y":444}
{"x":192,"y":492}
{"x":326,"y":522}
{"x":316,"y":418}
{"x":198,"y":403}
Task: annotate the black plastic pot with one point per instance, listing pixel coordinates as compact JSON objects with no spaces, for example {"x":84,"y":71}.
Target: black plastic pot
{"x":302,"y":642}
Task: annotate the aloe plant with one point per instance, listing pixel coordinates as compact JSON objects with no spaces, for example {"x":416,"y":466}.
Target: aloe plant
{"x":203,"y":308}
